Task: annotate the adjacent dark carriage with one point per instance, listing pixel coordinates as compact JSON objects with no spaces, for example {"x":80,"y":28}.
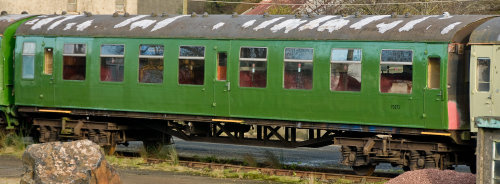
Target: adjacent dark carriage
{"x":386,"y":88}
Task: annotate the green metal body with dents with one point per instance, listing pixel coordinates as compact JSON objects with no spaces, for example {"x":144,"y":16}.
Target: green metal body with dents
{"x":385,"y":88}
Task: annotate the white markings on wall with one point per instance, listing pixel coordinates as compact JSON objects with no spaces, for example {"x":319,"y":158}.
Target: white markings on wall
{"x":315,"y":23}
{"x":43,"y":22}
{"x":31,"y":22}
{"x":142,"y":24}
{"x":166,"y":22}
{"x":449,"y":28}
{"x":428,"y":27}
{"x":383,"y":27}
{"x":267,"y":23}
{"x":69,"y":17}
{"x":84,"y":25}
{"x":69,"y":26}
{"x":408,"y":26}
{"x":218,"y":25}
{"x":333,"y":25}
{"x":128,"y":21}
{"x":361,"y":23}
{"x":446,"y":15}
{"x":289,"y":25}
{"x":248,"y":24}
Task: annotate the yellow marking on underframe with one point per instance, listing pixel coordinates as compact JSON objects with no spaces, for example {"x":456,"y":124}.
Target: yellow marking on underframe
{"x":228,"y":120}
{"x":435,"y":133}
{"x":56,"y":111}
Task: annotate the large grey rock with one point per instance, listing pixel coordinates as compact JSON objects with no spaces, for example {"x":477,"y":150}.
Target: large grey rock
{"x":67,"y":162}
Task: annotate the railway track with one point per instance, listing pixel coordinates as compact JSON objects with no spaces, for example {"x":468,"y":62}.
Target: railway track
{"x":278,"y":172}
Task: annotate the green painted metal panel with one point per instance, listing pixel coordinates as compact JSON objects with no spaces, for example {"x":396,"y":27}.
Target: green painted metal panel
{"x":366,"y":107}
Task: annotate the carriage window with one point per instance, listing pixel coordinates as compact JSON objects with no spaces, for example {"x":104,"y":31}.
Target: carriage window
{"x":483,"y":74}
{"x":28,"y":60}
{"x":253,"y":67}
{"x":191,"y":65}
{"x":396,"y":71}
{"x":112,"y":62}
{"x":345,"y":70}
{"x":151,"y":64}
{"x":298,"y":68}
{"x":496,"y":162}
{"x":74,"y":61}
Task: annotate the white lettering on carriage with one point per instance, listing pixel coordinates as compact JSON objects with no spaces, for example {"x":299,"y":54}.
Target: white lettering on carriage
{"x":43,"y":22}
{"x":408,"y":26}
{"x":84,"y":25}
{"x":69,"y":17}
{"x":267,"y":23}
{"x":383,"y":27}
{"x":31,"y":22}
{"x":361,"y":23}
{"x":166,"y":22}
{"x":248,"y":24}
{"x":128,"y":21}
{"x":315,"y":23}
{"x":142,"y":24}
{"x":449,"y":28}
{"x":289,"y":25}
{"x":333,"y":25}
{"x":218,"y":25}
{"x":69,"y":26}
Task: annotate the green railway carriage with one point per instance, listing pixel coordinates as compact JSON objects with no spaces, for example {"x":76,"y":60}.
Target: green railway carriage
{"x":8,"y":26}
{"x":356,"y":81}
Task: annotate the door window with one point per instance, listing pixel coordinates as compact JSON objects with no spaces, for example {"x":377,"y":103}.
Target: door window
{"x":483,"y":74}
{"x":222,"y":66}
{"x":48,"y":61}
{"x":433,"y":73}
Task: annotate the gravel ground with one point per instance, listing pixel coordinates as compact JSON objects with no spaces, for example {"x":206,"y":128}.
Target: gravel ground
{"x":434,"y":176}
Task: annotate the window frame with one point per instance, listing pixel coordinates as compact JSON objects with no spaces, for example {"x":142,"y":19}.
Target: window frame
{"x":120,"y":56}
{"x":493,"y":159}
{"x":75,"y":55}
{"x":253,"y":59}
{"x":395,"y":63}
{"x":297,"y":61}
{"x":345,"y":62}
{"x":28,"y":54}
{"x":192,"y":58}
{"x":476,"y":88}
{"x":150,"y":57}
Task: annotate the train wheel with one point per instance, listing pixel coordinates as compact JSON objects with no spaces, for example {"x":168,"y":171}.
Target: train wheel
{"x":364,"y":170}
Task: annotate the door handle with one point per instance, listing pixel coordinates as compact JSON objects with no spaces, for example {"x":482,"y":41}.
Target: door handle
{"x":228,"y":85}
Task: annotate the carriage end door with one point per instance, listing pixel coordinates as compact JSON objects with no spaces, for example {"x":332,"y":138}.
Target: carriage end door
{"x":222,"y":83}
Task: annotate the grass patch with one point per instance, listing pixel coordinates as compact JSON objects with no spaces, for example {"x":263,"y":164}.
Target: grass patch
{"x":12,"y":144}
{"x":138,"y":163}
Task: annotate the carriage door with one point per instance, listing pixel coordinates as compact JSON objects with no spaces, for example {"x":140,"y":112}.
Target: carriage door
{"x":433,"y":93}
{"x":222,"y":84}
{"x":47,"y":75}
{"x":481,"y":68}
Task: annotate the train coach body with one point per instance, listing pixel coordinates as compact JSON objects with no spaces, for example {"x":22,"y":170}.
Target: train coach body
{"x":412,"y":43}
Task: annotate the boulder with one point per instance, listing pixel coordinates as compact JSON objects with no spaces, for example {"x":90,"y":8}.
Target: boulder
{"x":67,"y":162}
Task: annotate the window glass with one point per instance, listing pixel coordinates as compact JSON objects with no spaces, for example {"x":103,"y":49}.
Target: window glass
{"x":74,"y":61}
{"x":396,"y":71}
{"x":345,"y":70}
{"x":48,"y":61}
{"x":151,"y":64}
{"x":192,"y":65}
{"x":253,"y":67}
{"x":298,"y":68}
{"x":483,"y":74}
{"x":28,"y":60}
{"x":112,"y":63}
{"x":496,"y":161}
{"x":222,"y":66}
{"x":433,"y":73}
